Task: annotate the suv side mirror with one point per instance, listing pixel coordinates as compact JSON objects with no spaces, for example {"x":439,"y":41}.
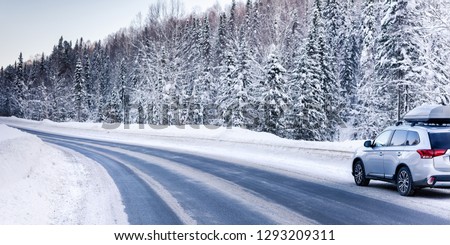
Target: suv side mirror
{"x":368,"y":143}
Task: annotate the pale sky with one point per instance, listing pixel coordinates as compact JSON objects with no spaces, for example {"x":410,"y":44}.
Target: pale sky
{"x":34,"y":26}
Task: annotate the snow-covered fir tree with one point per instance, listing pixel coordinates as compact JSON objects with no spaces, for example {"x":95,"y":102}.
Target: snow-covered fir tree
{"x":37,"y":101}
{"x":229,"y":102}
{"x":314,"y":121}
{"x":105,"y":84}
{"x":124,"y":92}
{"x":141,"y":113}
{"x":90,"y":86}
{"x":79,"y":92}
{"x":400,"y":83}
{"x":203,"y":94}
{"x":19,"y":90}
{"x":221,"y":42}
{"x":349,"y":72}
{"x":232,"y":21}
{"x":3,"y":93}
{"x":112,"y":112}
{"x":436,"y":46}
{"x":367,"y":120}
{"x":334,"y":15}
{"x":274,"y":97}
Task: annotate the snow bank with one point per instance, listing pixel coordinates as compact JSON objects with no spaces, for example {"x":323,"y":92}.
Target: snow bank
{"x":18,"y":154}
{"x":146,"y":132}
{"x":40,"y":184}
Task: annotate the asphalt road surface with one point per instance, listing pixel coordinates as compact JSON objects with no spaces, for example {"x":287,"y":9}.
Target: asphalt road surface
{"x":167,"y":187}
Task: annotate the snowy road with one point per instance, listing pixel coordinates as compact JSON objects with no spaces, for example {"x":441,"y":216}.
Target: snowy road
{"x":167,"y":187}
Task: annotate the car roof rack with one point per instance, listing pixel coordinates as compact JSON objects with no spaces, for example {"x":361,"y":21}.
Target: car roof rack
{"x":428,"y":115}
{"x":412,"y":124}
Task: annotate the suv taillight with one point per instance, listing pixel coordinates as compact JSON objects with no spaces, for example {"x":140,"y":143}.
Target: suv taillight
{"x":429,"y":154}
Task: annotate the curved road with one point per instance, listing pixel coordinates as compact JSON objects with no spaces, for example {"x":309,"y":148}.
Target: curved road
{"x":167,"y":187}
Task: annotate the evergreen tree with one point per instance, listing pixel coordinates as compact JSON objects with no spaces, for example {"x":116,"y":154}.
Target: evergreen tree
{"x":202,"y":93}
{"x":254,"y":30}
{"x":90,"y":86}
{"x":37,"y":102}
{"x":221,"y":41}
{"x":80,"y":92}
{"x":112,"y":112}
{"x":249,"y":76}
{"x":3,"y":93}
{"x":123,"y":92}
{"x":400,"y":84}
{"x":248,"y":15}
{"x":274,"y":97}
{"x":295,"y":111}
{"x":436,"y":46}
{"x":19,"y":90}
{"x":228,"y":105}
{"x":96,"y":77}
{"x":349,"y":69}
{"x":334,"y":14}
{"x":141,"y":114}
{"x":205,"y":41}
{"x":331,"y":85}
{"x":368,"y":119}
{"x":9,"y":79}
{"x":166,"y":107}
{"x":196,"y":47}
{"x":201,"y":98}
{"x":232,"y":21}
{"x":313,"y":119}
{"x":105,"y":84}
{"x":42,"y":89}
{"x":235,"y":104}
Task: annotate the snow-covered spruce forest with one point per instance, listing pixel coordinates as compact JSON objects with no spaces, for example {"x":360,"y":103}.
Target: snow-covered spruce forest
{"x":301,"y":69}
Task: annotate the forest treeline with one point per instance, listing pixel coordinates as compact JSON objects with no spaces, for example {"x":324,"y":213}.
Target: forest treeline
{"x":301,"y":69}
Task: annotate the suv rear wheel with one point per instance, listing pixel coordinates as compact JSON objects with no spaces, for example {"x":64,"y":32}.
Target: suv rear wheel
{"x":360,"y":174}
{"x":404,"y":182}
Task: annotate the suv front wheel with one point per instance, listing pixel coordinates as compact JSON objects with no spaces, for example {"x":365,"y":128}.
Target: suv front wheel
{"x":404,"y":182}
{"x":360,"y":174}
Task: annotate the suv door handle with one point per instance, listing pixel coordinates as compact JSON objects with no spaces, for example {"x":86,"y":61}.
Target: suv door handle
{"x":399,"y":153}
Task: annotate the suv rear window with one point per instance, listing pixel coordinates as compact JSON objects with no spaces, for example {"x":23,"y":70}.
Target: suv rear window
{"x":440,"y":140}
{"x":399,"y":138}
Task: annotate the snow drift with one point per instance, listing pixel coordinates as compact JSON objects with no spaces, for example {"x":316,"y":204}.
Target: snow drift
{"x":136,"y":133}
{"x":19,"y":154}
{"x":40,"y":184}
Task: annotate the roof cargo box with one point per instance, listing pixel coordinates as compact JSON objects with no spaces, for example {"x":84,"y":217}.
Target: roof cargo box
{"x":429,"y":114}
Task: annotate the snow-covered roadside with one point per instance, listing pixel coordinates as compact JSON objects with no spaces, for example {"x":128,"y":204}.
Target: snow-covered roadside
{"x":222,"y":134}
{"x":40,"y":184}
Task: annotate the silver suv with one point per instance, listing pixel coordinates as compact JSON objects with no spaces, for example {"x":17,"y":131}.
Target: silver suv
{"x":413,"y":154}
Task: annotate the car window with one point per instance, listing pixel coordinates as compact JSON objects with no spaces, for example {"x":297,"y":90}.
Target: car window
{"x":440,"y":140}
{"x":412,"y":138}
{"x":399,"y":138}
{"x":383,"y":139}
